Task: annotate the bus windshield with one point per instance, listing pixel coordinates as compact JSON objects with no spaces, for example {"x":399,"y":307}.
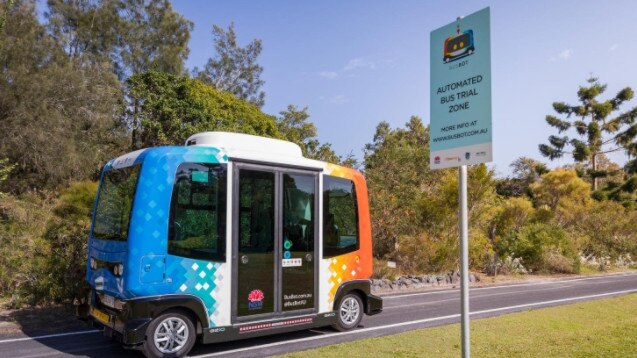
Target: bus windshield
{"x":115,"y":202}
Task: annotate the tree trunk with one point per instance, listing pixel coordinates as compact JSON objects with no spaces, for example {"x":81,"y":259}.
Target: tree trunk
{"x":135,"y":126}
{"x":595,"y":172}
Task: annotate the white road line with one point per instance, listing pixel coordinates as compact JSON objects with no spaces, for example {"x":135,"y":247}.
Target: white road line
{"x":384,"y":298}
{"x":48,"y":336}
{"x":457,"y":297}
{"x":420,"y":321}
{"x":398,"y":296}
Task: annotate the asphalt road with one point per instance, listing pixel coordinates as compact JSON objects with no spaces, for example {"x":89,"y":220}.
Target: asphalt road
{"x":401,"y":313}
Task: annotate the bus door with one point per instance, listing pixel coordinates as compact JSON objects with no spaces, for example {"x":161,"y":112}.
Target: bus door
{"x":274,"y":245}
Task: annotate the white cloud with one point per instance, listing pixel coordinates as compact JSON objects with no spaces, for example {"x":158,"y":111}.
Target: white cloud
{"x":330,"y":75}
{"x":565,"y":54}
{"x":359,"y":63}
{"x":613,"y":47}
{"x":340,"y":99}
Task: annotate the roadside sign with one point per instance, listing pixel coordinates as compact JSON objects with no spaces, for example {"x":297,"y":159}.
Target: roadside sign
{"x":460,"y":92}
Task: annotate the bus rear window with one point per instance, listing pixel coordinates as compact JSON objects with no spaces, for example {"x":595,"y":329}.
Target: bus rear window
{"x":117,"y":191}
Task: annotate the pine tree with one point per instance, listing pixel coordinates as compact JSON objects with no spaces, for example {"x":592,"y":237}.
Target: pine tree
{"x":595,"y":131}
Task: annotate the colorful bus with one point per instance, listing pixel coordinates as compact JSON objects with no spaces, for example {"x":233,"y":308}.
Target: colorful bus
{"x":458,"y":46}
{"x":228,"y":237}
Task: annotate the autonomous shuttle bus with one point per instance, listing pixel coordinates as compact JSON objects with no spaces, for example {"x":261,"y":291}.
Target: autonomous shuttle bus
{"x":228,"y":237}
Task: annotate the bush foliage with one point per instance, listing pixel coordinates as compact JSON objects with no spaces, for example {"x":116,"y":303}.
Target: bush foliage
{"x":541,"y":220}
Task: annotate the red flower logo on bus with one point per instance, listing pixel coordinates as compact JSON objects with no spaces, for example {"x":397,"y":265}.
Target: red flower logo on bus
{"x":256,"y":300}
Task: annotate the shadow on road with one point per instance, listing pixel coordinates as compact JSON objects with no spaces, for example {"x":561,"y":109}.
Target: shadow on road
{"x":203,"y":349}
{"x":38,"y":323}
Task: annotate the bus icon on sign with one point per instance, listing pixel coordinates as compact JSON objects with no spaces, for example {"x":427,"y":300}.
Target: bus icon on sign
{"x":458,"y":46}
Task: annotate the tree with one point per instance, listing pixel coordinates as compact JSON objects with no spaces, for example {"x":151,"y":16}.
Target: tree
{"x":398,"y":175}
{"x":132,"y":35}
{"x":294,"y":126}
{"x":511,"y":216}
{"x":6,"y":5}
{"x":66,"y":233}
{"x":154,"y":37}
{"x":57,"y":115}
{"x":85,"y":29}
{"x":438,"y":215}
{"x":596,"y":131}
{"x":234,"y":69}
{"x":22,"y":224}
{"x":560,"y":190}
{"x":526,"y":171}
{"x":166,"y":109}
{"x":608,"y":230}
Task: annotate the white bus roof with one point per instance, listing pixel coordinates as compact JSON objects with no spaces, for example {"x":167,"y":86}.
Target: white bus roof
{"x":251,"y":147}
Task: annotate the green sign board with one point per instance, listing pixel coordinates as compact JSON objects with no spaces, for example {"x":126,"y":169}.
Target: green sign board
{"x":460,"y":97}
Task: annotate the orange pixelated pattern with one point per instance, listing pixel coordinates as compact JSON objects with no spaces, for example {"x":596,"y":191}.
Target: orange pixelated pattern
{"x":358,"y":264}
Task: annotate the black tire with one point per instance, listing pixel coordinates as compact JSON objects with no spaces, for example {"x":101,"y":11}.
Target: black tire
{"x":349,"y":312}
{"x":170,"y":325}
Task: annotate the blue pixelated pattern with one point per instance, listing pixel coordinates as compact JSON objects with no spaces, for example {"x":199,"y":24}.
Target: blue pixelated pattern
{"x":149,"y":270}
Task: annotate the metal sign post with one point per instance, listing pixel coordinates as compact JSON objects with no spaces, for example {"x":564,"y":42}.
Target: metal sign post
{"x":460,"y":114}
{"x":464,"y":260}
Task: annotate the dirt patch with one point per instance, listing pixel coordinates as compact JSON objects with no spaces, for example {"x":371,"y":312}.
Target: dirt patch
{"x":39,"y":320}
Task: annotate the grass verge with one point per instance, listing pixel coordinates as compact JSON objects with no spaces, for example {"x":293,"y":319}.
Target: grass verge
{"x":601,"y":328}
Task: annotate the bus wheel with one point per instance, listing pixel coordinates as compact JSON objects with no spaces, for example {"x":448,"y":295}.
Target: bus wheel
{"x":171,"y":334}
{"x":349,"y":312}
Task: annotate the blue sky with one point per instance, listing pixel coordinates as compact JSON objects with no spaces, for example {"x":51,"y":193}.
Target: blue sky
{"x":356,"y":63}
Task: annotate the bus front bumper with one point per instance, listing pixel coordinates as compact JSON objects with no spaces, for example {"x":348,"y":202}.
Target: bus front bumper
{"x":129,"y":331}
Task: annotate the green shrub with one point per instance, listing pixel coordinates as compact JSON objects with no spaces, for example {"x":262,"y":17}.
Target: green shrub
{"x":542,"y":247}
{"x":607,"y":229}
{"x":22,"y":224}
{"x":480,"y":251}
{"x":67,"y":236}
{"x":426,"y":254}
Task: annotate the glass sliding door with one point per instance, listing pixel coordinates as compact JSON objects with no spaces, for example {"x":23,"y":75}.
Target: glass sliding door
{"x":274,"y":241}
{"x":256,"y":236}
{"x":299,"y":221}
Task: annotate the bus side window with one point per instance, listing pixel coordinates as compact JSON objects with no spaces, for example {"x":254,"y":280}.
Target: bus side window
{"x":340,"y":217}
{"x":197,"y":212}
